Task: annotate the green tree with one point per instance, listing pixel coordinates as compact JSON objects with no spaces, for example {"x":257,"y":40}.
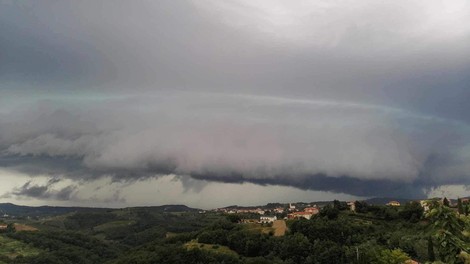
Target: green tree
{"x":234,"y":218}
{"x":361,"y":207}
{"x":445,"y":202}
{"x":412,"y":212}
{"x":460,"y":206}
{"x":330,"y":212}
{"x":11,"y":228}
{"x":326,"y":252}
{"x":395,"y":256}
{"x":340,"y":205}
{"x":295,"y":247}
{"x":449,"y":233}
{"x":431,"y":255}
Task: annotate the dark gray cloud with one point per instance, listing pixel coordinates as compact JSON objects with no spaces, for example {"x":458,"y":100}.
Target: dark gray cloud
{"x":41,"y":46}
{"x":364,"y":99}
{"x":342,"y":184}
{"x":411,"y":55}
{"x":46,"y":192}
{"x":320,"y":145}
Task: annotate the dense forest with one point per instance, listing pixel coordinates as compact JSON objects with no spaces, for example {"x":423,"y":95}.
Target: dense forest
{"x":370,"y":234}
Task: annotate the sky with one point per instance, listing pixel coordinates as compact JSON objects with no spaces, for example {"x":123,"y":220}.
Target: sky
{"x":213,"y":103}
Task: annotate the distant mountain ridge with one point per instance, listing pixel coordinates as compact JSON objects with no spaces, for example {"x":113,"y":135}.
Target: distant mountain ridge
{"x":35,"y":211}
{"x":170,"y":208}
{"x":23,"y":210}
{"x":11,"y":209}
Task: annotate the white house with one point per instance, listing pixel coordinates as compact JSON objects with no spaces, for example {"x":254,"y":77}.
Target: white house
{"x":352,"y":206}
{"x":425,"y":204}
{"x":267,"y":219}
{"x":291,"y":207}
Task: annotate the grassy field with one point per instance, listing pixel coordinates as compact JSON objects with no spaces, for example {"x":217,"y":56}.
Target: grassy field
{"x":12,"y":248}
{"x":280,"y":227}
{"x":211,"y":247}
{"x":255,"y":227}
{"x":23,"y":227}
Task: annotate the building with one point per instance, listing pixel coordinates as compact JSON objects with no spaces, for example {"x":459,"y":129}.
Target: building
{"x":393,"y":203}
{"x":425,"y":204}
{"x":312,"y":210}
{"x":291,"y":207}
{"x":267,"y":219}
{"x":352,"y":206}
{"x":297,"y":215}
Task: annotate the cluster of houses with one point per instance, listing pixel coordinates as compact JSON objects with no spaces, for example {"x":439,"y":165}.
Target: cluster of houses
{"x":241,"y":210}
{"x":266,"y":215}
{"x":307,"y":213}
{"x":294,"y":213}
{"x":260,"y":211}
{"x":267,"y":219}
{"x":269,"y":215}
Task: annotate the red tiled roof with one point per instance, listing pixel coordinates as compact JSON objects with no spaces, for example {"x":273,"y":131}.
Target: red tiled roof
{"x":301,"y":213}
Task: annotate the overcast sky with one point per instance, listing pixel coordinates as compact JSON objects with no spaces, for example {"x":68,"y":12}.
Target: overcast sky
{"x":211,"y":103}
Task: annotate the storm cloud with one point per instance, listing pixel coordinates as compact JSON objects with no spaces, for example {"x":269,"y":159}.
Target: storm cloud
{"x":31,"y":190}
{"x":368,"y":99}
{"x":344,"y":147}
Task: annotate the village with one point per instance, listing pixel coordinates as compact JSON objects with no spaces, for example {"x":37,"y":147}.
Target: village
{"x":270,"y":214}
{"x":267,"y":214}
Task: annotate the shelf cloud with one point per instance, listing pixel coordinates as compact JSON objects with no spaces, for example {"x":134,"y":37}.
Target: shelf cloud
{"x":364,"y":98}
{"x":319,"y":145}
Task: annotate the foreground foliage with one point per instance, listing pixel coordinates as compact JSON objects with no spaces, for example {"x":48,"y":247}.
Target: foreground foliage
{"x":374,"y":234}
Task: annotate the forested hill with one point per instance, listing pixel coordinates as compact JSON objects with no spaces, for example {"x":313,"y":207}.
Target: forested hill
{"x":21,"y":210}
{"x":32,"y":211}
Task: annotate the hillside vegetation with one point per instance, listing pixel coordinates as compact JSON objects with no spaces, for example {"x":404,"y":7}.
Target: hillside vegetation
{"x":372,"y":234}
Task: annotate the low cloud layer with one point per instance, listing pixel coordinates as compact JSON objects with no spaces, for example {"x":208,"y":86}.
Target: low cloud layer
{"x":343,"y":147}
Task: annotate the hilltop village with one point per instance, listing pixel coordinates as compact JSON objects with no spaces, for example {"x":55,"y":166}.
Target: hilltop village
{"x":277,"y":211}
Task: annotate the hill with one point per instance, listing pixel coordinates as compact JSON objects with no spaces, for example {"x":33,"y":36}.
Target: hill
{"x":170,"y":208}
{"x":13,"y":210}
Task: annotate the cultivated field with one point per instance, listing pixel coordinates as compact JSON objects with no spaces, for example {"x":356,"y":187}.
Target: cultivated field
{"x":280,"y":227}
